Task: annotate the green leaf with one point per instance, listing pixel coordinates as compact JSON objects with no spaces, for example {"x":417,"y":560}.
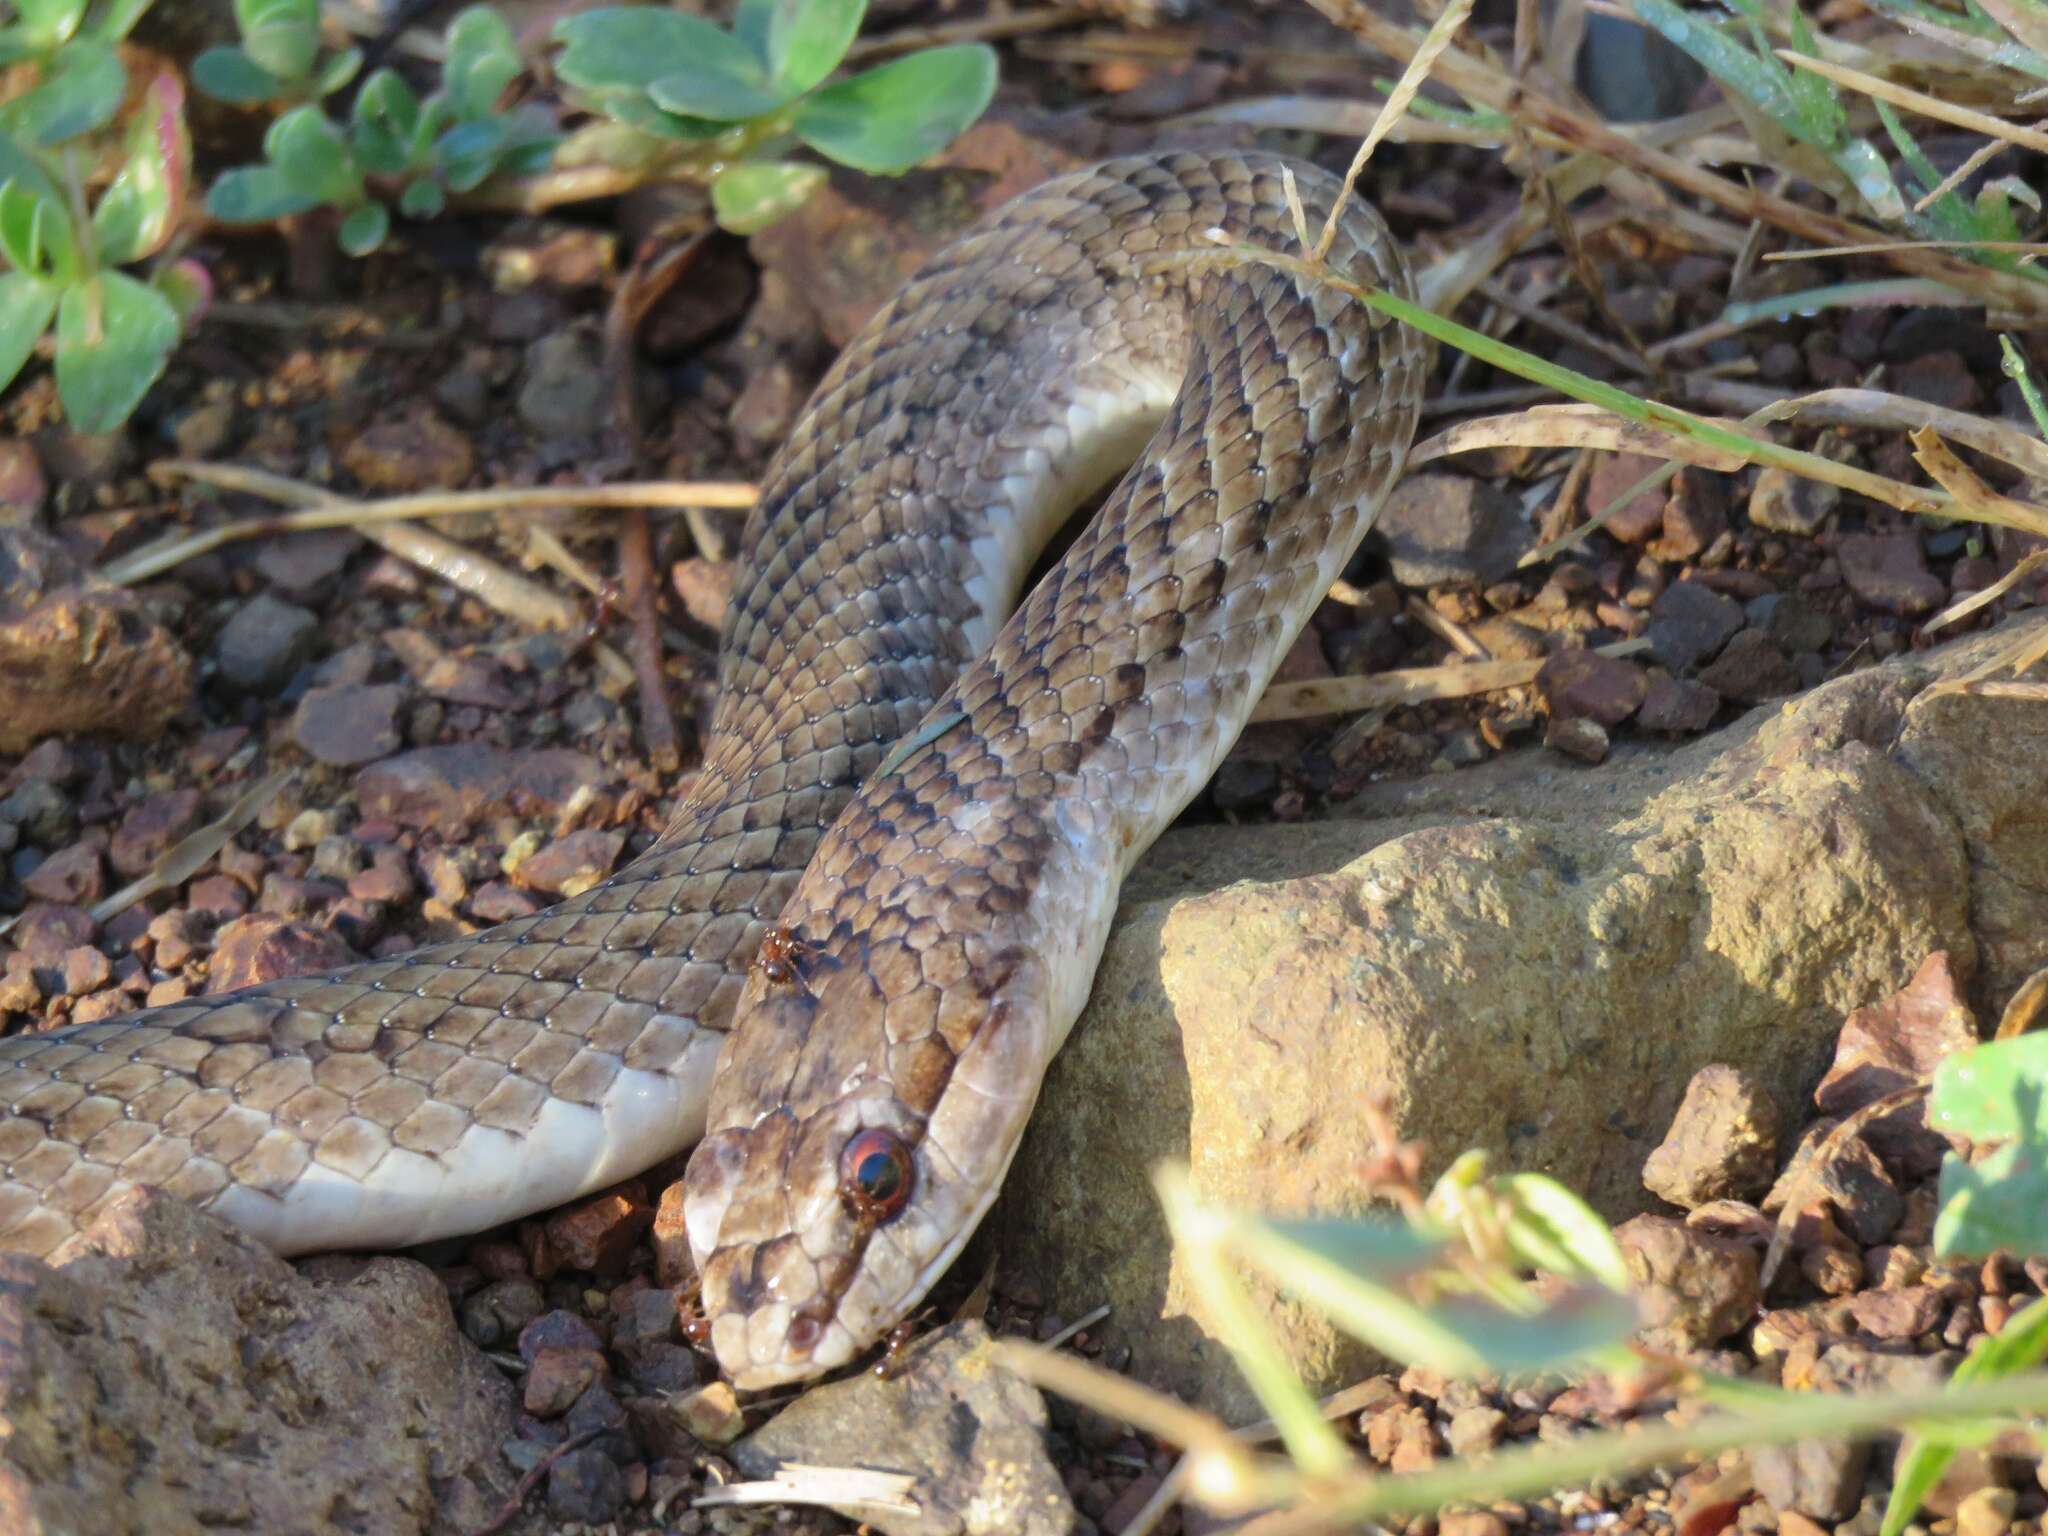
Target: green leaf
{"x":364,"y":229}
{"x":80,"y":90}
{"x":256,"y":194}
{"x":187,"y":286}
{"x":1867,"y":169}
{"x":804,"y":40}
{"x":118,"y":19}
{"x":385,"y":124}
{"x":229,"y":74}
{"x":634,"y":45}
{"x":2001,"y":1202}
{"x":422,"y":199}
{"x":1372,"y":1247}
{"x":47,"y":23}
{"x":891,"y":117}
{"x":337,"y":72}
{"x":114,"y":335}
{"x":1993,"y":1091}
{"x":313,"y":157}
{"x":282,"y":36}
{"x":483,"y":58}
{"x":714,"y":96}
{"x":1761,"y":81}
{"x":19,"y":166}
{"x":754,"y":194}
{"x":468,"y":152}
{"x":36,"y":234}
{"x":1552,"y":1229}
{"x":138,"y":213}
{"x":26,"y":306}
{"x":633,"y":109}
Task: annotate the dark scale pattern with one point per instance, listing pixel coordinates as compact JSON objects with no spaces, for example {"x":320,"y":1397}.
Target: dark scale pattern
{"x":941,"y":940}
{"x":461,"y":1085}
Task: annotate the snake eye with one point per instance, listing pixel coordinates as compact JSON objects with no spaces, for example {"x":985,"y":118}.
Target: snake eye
{"x":875,"y":1175}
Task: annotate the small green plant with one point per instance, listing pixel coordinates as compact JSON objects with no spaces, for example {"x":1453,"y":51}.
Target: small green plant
{"x":112,"y":330}
{"x":279,"y":57}
{"x":675,"y":94}
{"x":1799,"y":118}
{"x":451,"y":141}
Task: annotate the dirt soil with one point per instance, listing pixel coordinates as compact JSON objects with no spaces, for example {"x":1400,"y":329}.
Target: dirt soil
{"x":452,"y":766}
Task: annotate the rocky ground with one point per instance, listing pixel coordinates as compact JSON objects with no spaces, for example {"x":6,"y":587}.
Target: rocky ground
{"x":1533,"y":953}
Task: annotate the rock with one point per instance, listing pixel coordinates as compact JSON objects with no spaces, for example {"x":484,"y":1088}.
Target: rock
{"x":78,"y":655}
{"x":555,"y":1378}
{"x":72,"y":877}
{"x":1577,"y":736}
{"x":412,"y":450}
{"x":500,"y":1311}
{"x":1889,"y":572}
{"x":1695,"y":514}
{"x":1726,"y":901}
{"x":264,"y":644}
{"x":1898,"y":1314}
{"x":1751,"y":669}
{"x":1690,"y":623}
{"x":1795,"y":623}
{"x":1722,"y":1145}
{"x":1694,"y":1289}
{"x":23,"y":487}
{"x":1475,"y":1431}
{"x":446,"y":789}
{"x":1676,"y":708}
{"x":563,"y":393}
{"x":710,"y":1413}
{"x":1866,"y":1202}
{"x":350,"y":725}
{"x":1940,"y":378}
{"x":1782,"y":502}
{"x":598,"y":1234}
{"x":177,"y":1377}
{"x":1894,"y":1044}
{"x":150,"y":829}
{"x":1821,"y":1479}
{"x":586,"y":1486}
{"x":1584,"y":685}
{"x":971,"y":1435}
{"x":306,"y":565}
{"x":571,"y":865}
{"x":1453,"y":531}
{"x":1985,"y":1512}
{"x":263,"y":947}
{"x":673,"y":1264}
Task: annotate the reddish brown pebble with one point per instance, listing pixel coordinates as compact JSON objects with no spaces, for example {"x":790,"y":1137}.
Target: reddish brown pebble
{"x":555,"y":1378}
{"x":673,"y":1265}
{"x":1891,"y":1044}
{"x":261,"y":947}
{"x":73,"y":876}
{"x":598,"y":1234}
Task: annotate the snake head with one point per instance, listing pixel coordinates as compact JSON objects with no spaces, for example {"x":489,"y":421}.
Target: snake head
{"x":866,"y":1120}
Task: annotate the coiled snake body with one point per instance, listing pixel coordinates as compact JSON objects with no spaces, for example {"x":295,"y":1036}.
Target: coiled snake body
{"x":864,"y":1079}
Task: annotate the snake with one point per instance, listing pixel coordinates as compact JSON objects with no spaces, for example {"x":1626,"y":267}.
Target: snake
{"x":843,"y":968}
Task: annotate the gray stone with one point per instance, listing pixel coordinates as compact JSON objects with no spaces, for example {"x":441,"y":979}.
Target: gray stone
{"x":264,"y":644}
{"x":1689,"y":623}
{"x":1453,"y":531}
{"x":970,"y":1433}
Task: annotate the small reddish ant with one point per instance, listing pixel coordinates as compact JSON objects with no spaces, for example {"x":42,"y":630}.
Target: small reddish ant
{"x":781,"y":957}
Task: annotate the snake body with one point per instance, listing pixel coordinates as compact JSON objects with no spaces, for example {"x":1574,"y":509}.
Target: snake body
{"x":891,"y":1036}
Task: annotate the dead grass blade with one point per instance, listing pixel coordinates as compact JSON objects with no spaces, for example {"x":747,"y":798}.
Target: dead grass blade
{"x":1573,"y":425}
{"x":1991,"y":594}
{"x":1974,"y":499}
{"x":1407,"y":685}
{"x":1917,"y":101}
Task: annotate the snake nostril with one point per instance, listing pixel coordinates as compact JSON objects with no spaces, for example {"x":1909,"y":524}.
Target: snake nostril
{"x":804,"y":1333}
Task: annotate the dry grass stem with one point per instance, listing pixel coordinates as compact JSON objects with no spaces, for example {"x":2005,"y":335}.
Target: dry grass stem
{"x":1574,"y":426}
{"x":1918,"y":101}
{"x":1409,"y":685}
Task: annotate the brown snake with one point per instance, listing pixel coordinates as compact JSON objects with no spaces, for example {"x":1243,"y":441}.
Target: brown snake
{"x":875,"y":1068}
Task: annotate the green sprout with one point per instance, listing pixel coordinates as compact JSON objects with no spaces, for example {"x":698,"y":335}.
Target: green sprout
{"x":675,"y":94}
{"x":452,"y":141}
{"x":279,"y":57}
{"x":113,"y":331}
